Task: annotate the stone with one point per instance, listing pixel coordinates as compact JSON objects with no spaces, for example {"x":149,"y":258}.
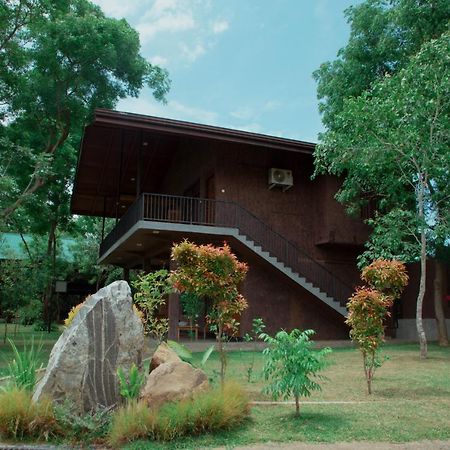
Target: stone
{"x":163,"y":354}
{"x":106,"y":334}
{"x":173,"y":381}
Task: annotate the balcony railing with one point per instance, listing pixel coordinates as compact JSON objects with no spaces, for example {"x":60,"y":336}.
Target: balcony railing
{"x":220,"y":213}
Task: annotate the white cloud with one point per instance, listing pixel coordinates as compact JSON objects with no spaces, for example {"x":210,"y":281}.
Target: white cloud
{"x":170,"y":22}
{"x":271,"y":105}
{"x":158,"y":60}
{"x":173,"y":110}
{"x":243,"y":113}
{"x":249,"y":113}
{"x":191,"y":54}
{"x":220,"y":26}
{"x":119,"y":8}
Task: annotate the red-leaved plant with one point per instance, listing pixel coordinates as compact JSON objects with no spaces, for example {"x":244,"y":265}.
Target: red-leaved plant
{"x":369,"y":307}
{"x":214,"y":273}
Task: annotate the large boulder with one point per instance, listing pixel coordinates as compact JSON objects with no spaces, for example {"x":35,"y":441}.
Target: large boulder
{"x":163,"y":354}
{"x":106,"y":334}
{"x":173,"y":381}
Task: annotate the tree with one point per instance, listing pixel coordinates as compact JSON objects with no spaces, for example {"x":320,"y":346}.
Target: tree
{"x":59,"y":61}
{"x":151,"y":293}
{"x":215,"y":273}
{"x":392,"y":141}
{"x":291,"y":365}
{"x":369,"y":307}
{"x":385,"y":34}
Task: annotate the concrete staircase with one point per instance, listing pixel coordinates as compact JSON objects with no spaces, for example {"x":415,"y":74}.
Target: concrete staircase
{"x":294,"y":276}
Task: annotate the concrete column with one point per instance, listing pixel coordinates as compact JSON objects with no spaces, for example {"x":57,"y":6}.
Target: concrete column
{"x":173,"y":311}
{"x":126,"y":274}
{"x":174,"y":315}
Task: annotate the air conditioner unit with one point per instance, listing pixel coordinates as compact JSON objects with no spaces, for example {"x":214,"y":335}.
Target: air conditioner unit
{"x":280,"y":177}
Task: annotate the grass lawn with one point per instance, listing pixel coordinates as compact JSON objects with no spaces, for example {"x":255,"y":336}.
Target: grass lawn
{"x":410,"y":401}
{"x":24,"y":334}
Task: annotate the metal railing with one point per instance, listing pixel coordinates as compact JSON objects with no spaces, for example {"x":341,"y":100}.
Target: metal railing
{"x":220,"y":213}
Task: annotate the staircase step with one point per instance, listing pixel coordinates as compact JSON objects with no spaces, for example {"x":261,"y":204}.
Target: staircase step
{"x":301,"y":280}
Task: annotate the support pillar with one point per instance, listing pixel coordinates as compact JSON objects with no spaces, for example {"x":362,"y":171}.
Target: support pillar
{"x":126,"y":274}
{"x":174,"y":315}
{"x":173,"y":311}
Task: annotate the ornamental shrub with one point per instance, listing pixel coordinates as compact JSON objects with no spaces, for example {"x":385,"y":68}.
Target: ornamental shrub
{"x":217,"y":409}
{"x":151,"y":293}
{"x":367,"y":310}
{"x":369,"y":307}
{"x":215,"y":273}
{"x":21,"y":418}
{"x":291,"y":365}
{"x":387,"y":276}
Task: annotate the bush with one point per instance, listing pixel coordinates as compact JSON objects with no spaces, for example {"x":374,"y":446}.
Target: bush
{"x":84,"y":428}
{"x":291,"y":365}
{"x":22,"y":369}
{"x":21,"y":418}
{"x":210,"y":411}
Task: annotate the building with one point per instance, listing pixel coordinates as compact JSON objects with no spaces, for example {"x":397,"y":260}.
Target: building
{"x":166,"y":180}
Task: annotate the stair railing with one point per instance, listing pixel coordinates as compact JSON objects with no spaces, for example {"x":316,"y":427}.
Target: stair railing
{"x":227,"y":214}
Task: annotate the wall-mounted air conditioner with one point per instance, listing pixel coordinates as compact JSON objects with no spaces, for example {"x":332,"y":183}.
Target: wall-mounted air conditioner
{"x":281,"y":178}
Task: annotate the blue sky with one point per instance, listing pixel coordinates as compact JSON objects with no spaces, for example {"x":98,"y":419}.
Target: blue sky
{"x":243,"y":64}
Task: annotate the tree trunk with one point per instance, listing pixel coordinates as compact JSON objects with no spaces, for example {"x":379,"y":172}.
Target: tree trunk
{"x":439,"y":280}
{"x":51,"y":253}
{"x":297,"y":406}
{"x":423,"y":270}
{"x":223,"y":359}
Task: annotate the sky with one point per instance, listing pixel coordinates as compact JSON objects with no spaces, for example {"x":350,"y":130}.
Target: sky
{"x":241,"y":64}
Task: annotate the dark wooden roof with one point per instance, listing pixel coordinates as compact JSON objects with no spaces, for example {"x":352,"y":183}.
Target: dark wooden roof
{"x":113,"y":143}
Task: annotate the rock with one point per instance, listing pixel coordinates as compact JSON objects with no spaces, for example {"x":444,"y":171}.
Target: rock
{"x":163,"y":354}
{"x":106,"y":334}
{"x":173,"y":381}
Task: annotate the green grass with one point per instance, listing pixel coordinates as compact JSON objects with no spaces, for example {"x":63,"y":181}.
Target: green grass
{"x":410,"y":401}
{"x":24,"y":334}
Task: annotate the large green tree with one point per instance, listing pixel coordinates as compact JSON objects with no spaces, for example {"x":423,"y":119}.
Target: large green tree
{"x":385,"y":34}
{"x":393,"y":141}
{"x":59,"y":60}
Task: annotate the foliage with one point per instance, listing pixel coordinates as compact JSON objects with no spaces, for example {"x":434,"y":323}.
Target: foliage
{"x":76,"y":309}
{"x":87,"y":233}
{"x":207,"y":412}
{"x":151,"y":292}
{"x":392,"y":142}
{"x":258,"y":326}
{"x":191,"y":305}
{"x":130,"y":386}
{"x":186,"y":355}
{"x":31,"y":312}
{"x":72,"y":313}
{"x":22,"y":369}
{"x":215,"y":273}
{"x":387,"y":276}
{"x":369,"y":306}
{"x":82,"y":428}
{"x":291,"y":365}
{"x":383,"y":36}
{"x":181,"y":350}
{"x":21,"y":418}
{"x":59,"y":61}
{"x":368,"y":309}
